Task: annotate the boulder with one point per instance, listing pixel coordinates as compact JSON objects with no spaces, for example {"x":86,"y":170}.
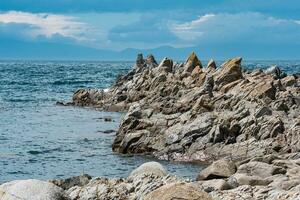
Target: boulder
{"x":31,"y":189}
{"x":244,"y":179}
{"x":153,"y":168}
{"x":214,"y":184}
{"x":192,"y":62}
{"x":230,"y":71}
{"x":219,"y":169}
{"x":178,"y":191}
{"x":260,"y":169}
{"x":86,"y":97}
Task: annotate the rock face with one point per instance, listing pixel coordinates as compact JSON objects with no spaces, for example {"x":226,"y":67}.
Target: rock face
{"x":31,"y":189}
{"x":186,"y":112}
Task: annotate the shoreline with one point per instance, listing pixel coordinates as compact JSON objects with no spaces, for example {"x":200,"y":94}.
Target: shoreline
{"x":245,"y":124}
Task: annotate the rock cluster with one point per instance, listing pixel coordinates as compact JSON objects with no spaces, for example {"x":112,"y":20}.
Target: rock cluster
{"x":263,"y":177}
{"x":187,"y":112}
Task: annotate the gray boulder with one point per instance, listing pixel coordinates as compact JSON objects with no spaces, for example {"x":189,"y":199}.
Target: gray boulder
{"x":31,"y":189}
{"x":218,"y":169}
{"x":153,"y":168}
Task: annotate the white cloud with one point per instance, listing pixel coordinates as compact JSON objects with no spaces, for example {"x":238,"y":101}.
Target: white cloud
{"x":48,"y":25}
{"x":237,"y":26}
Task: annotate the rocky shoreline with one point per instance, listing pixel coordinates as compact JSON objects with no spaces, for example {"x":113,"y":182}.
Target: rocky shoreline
{"x":245,"y":123}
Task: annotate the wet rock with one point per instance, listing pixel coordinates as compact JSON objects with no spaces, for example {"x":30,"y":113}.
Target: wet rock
{"x":218,"y":169}
{"x":178,"y":191}
{"x":31,"y":189}
{"x":86,"y":97}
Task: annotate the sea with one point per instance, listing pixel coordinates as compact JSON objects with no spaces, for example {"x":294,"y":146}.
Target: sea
{"x":42,"y":140}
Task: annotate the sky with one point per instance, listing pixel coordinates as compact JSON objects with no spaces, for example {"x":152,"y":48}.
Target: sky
{"x":45,"y":29}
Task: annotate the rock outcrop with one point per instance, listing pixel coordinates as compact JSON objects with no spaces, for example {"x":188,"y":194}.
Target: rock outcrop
{"x":186,"y":112}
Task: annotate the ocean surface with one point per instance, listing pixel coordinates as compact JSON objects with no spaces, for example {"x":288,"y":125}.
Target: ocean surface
{"x":39,"y":139}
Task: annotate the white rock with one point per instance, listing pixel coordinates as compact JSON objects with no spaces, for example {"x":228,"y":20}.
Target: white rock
{"x":31,"y":189}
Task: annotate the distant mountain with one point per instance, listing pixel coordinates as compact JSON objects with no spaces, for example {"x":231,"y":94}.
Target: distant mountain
{"x":13,"y":49}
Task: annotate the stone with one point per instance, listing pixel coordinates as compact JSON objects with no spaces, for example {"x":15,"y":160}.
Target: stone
{"x":73,"y":181}
{"x":214,"y":184}
{"x":218,"y":169}
{"x":260,"y":169}
{"x":139,"y":63}
{"x":230,"y":71}
{"x":192,"y":62}
{"x":178,"y":191}
{"x":263,"y":90}
{"x":153,"y":168}
{"x":31,"y":189}
{"x":288,"y":81}
{"x":244,"y":179}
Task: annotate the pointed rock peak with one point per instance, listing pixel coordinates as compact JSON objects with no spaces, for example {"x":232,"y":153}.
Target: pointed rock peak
{"x":166,"y":64}
{"x":151,"y":60}
{"x":232,"y":61}
{"x":139,"y":60}
{"x":230,"y":71}
{"x":191,"y":62}
{"x":211,"y":64}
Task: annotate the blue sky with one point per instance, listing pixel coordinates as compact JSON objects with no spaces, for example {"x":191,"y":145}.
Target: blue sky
{"x":250,"y":28}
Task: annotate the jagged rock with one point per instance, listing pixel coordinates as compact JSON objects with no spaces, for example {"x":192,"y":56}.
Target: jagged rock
{"x":218,"y":169}
{"x":165,"y":65}
{"x":178,"y":191}
{"x":230,"y":71}
{"x":73,"y":181}
{"x":263,"y":111}
{"x":211,"y":66}
{"x":192,"y":62}
{"x":264,"y":89}
{"x":151,"y":168}
{"x":139,"y":63}
{"x":151,"y":62}
{"x":31,"y":189}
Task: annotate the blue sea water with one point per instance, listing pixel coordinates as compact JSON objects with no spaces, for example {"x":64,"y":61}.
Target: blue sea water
{"x":39,"y":139}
